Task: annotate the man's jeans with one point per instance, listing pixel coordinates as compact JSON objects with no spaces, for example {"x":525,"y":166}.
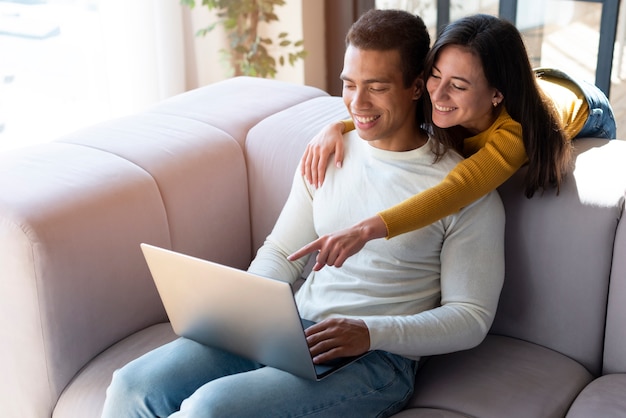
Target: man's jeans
{"x":601,"y":121}
{"x":213,"y":383}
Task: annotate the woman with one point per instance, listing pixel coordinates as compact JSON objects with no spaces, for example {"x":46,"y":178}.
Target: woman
{"x":485,"y":101}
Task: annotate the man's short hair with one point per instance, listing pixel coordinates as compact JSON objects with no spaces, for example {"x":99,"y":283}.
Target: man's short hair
{"x":384,"y":30}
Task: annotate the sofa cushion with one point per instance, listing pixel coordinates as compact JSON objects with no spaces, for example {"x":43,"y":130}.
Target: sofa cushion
{"x":502,"y":377}
{"x":84,"y":396}
{"x":604,"y":397}
{"x":429,"y":413}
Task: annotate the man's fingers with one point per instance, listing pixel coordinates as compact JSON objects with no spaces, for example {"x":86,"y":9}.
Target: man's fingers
{"x":321,"y":343}
{"x":328,"y":355}
{"x":337,"y":337}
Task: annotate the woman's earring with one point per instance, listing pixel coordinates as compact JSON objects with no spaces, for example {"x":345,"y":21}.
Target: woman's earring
{"x":495,"y":103}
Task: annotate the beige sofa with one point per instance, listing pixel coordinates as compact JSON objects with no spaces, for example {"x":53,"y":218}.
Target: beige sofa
{"x":206,"y":173}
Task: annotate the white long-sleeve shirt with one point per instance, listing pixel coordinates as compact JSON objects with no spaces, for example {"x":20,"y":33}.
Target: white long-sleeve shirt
{"x":430,"y":291}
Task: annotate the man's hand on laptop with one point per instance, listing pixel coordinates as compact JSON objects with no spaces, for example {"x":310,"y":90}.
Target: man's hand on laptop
{"x":337,"y":337}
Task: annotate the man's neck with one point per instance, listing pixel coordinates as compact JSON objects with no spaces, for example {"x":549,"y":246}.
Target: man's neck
{"x":404,"y":142}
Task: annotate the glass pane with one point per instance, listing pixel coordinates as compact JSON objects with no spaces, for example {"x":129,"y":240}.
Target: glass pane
{"x":426,"y":9}
{"x":566,"y":34}
{"x":562,"y":33}
{"x":50,"y":62}
{"x":460,"y":8}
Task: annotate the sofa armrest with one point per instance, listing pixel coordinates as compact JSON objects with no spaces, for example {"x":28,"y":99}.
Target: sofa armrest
{"x":73,"y":281}
{"x":72,"y":217}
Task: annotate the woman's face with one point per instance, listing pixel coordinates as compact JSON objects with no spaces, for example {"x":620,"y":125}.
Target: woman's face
{"x":459,"y":91}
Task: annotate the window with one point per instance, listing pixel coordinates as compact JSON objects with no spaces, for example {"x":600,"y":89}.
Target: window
{"x":51,"y":69}
{"x":67,"y":64}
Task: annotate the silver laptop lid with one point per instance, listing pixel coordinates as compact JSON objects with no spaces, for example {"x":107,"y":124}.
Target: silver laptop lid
{"x":230,"y":309}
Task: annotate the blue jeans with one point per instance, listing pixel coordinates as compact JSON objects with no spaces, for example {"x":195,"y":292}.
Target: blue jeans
{"x":187,"y":379}
{"x":601,"y":120}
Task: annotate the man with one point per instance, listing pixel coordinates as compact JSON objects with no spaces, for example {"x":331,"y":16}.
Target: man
{"x":430,"y":291}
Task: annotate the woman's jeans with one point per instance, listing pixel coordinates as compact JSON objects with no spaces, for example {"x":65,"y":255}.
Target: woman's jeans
{"x":601,"y":120}
{"x":187,"y":379}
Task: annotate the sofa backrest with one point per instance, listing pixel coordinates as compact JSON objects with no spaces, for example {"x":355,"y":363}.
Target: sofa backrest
{"x":559,"y":251}
{"x":273,"y":150}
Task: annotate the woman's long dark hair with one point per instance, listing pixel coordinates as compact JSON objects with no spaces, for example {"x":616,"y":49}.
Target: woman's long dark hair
{"x":505,"y":62}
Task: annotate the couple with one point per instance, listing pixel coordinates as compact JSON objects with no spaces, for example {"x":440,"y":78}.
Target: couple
{"x":429,"y":291}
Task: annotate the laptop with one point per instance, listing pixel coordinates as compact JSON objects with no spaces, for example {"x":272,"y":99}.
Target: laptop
{"x":233,"y":310}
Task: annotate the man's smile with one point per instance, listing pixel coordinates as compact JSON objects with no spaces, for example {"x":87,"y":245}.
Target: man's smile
{"x":366,"y":119}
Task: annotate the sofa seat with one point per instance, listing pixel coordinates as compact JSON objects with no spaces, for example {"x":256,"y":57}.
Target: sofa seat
{"x":491,"y":380}
{"x":85,"y":394}
{"x":429,"y":413}
{"x":502,"y":377}
{"x":604,"y":397}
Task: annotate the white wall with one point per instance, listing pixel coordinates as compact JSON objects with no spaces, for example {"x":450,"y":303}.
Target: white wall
{"x":314,"y":33}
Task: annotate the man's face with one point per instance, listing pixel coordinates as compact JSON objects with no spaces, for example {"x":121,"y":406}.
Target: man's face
{"x":382,"y":108}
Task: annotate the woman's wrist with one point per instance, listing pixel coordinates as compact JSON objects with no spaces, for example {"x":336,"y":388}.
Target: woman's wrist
{"x":373,"y":228}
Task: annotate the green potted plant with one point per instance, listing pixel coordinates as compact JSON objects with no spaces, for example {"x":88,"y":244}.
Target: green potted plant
{"x":248,"y":53}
